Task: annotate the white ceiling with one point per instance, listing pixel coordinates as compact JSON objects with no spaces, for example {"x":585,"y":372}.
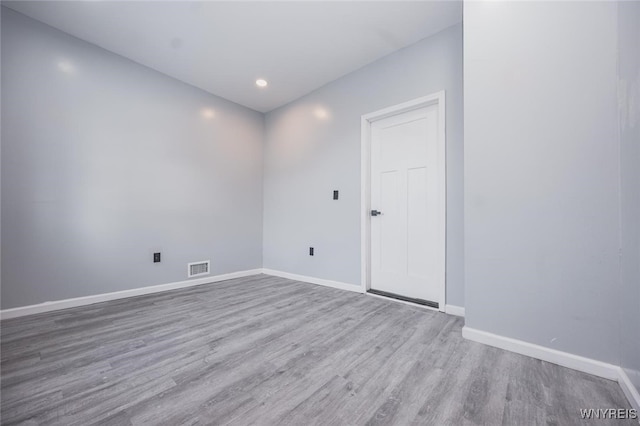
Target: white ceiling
{"x":223,"y":47}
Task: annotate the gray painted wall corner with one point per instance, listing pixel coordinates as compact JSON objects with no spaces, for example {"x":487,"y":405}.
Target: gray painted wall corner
{"x":629,"y":121}
{"x":313,"y":147}
{"x":105,"y":161}
{"x":541,"y":174}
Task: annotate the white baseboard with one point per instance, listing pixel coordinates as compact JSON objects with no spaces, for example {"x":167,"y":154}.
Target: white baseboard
{"x":629,"y":389}
{"x":454,"y":310}
{"x":97,"y":298}
{"x":564,"y":359}
{"x":327,"y":283}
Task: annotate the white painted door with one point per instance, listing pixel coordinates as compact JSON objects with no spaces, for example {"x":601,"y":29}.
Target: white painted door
{"x":406,"y":188}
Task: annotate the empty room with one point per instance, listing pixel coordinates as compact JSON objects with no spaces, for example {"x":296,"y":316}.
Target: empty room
{"x":320,"y":213}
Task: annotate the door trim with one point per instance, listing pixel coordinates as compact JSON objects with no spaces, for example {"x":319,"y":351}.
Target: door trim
{"x":365,"y":185}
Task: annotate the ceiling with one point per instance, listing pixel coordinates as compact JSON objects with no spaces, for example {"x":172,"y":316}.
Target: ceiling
{"x":223,"y":47}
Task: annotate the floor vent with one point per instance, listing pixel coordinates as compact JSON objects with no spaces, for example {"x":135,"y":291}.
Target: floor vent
{"x":196,"y":269}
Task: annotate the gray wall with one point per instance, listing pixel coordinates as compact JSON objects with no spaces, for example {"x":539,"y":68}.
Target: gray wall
{"x":629,"y":102}
{"x":1,"y":9}
{"x":541,"y":166}
{"x":307,"y":157}
{"x":109,"y":161}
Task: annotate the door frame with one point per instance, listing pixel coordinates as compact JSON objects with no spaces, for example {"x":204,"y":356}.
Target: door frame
{"x":365,"y":186}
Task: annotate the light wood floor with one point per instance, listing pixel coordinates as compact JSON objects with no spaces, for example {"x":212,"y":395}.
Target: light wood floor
{"x":265,"y":351}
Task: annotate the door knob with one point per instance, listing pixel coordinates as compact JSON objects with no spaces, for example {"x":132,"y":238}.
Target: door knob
{"x":375,"y":213}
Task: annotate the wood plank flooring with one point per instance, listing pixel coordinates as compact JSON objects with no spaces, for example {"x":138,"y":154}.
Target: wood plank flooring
{"x":269,"y":351}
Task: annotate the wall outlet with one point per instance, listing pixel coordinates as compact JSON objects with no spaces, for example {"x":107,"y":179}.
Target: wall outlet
{"x":310,"y":251}
{"x":156,"y":257}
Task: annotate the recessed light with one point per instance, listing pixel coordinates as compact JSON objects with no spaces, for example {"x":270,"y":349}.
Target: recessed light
{"x":261,"y":82}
